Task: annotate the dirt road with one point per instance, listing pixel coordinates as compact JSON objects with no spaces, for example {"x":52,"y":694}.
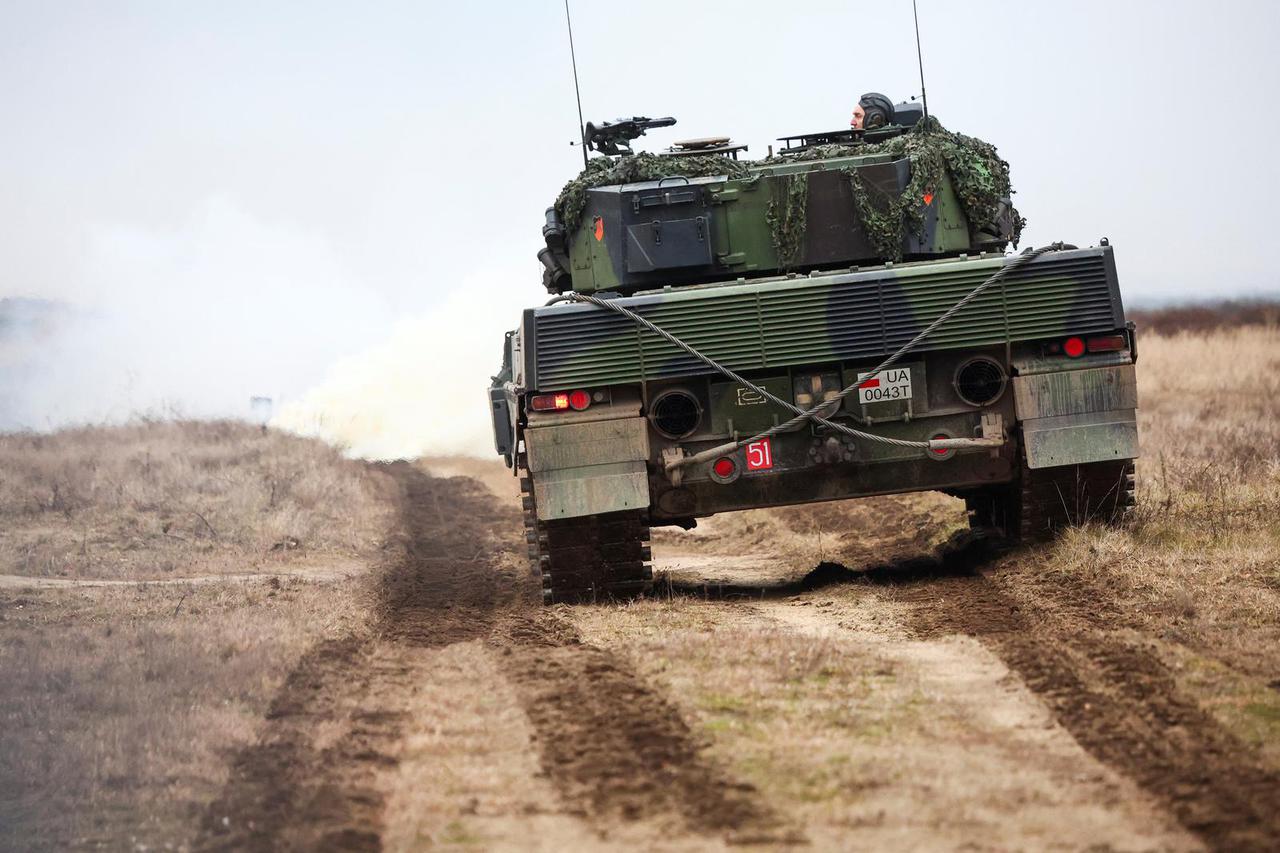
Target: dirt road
{"x":897,"y":697}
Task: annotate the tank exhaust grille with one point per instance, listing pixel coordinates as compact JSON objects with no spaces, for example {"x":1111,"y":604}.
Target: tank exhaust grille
{"x":980,"y":381}
{"x":675,"y":414}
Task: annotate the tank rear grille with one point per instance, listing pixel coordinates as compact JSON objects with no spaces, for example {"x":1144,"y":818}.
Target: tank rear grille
{"x":836,"y":317}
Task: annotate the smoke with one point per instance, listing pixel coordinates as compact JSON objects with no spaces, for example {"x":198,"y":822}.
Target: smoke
{"x":197,"y":321}
{"x":191,"y":321}
{"x":424,"y":390}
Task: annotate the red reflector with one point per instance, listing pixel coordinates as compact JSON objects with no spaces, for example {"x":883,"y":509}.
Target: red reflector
{"x":549,"y":402}
{"x":928,"y":199}
{"x":940,"y":451}
{"x":724,"y":467}
{"x":579,"y":400}
{"x":1073,"y":347}
{"x":1107,"y":343}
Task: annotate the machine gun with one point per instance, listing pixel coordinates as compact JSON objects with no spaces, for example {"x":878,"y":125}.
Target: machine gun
{"x":614,"y":137}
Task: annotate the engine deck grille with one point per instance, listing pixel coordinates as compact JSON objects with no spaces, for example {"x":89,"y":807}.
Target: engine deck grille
{"x":825,"y":318}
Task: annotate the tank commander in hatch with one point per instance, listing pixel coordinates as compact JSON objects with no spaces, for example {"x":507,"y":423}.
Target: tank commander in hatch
{"x":873,"y":110}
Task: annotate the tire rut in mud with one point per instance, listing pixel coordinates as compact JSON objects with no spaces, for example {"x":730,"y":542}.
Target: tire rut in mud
{"x":611,"y":744}
{"x":1113,"y":695}
{"x":291,"y":788}
{"x":614,"y":746}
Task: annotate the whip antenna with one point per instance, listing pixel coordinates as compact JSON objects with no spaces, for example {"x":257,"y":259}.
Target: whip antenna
{"x":919,"y":58}
{"x":582,"y":129}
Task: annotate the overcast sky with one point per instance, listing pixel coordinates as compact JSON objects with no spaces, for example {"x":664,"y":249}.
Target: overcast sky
{"x":250,"y":191}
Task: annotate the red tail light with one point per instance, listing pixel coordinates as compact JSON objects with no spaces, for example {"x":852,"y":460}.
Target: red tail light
{"x":724,"y":467}
{"x":576,"y":400}
{"x":1073,"y":347}
{"x":549,"y":402}
{"x":1107,"y":343}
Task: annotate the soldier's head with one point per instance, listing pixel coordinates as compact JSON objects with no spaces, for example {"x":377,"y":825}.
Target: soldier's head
{"x":873,"y":110}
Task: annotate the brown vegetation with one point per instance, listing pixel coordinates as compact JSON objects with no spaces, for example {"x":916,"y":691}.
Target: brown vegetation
{"x":1206,"y":316}
{"x":152,"y":499}
{"x":120,"y":701}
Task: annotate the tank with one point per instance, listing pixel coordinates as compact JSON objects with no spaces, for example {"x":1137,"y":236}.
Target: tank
{"x":723,"y":333}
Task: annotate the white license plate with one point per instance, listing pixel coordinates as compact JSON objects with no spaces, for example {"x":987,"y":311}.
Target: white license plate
{"x":887,"y":386}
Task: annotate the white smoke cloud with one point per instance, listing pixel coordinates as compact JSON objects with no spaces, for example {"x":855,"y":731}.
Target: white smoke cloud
{"x":188,"y":321}
{"x":422,"y":391}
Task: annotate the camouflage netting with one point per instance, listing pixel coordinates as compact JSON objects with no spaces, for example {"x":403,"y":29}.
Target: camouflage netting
{"x":980,"y":179}
{"x":978,"y":175}
{"x":601,"y":172}
{"x":786,"y":216}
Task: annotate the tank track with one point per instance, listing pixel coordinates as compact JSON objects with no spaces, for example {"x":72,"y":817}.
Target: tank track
{"x":595,"y":558}
{"x":1042,"y":501}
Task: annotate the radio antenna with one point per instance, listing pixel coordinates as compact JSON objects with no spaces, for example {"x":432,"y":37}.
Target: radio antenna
{"x":919,"y":58}
{"x":582,"y":128}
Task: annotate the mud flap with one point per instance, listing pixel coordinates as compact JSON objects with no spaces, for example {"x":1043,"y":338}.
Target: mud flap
{"x":1075,"y":417}
{"x":581,"y":469}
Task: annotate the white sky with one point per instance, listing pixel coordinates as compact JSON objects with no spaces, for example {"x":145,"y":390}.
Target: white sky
{"x":254,"y":190}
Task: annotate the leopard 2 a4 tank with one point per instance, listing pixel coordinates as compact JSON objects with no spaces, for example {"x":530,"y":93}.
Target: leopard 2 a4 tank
{"x":836,"y":320}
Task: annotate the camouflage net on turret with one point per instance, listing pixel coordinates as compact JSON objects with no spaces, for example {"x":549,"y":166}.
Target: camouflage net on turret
{"x":978,"y":175}
{"x":786,"y":216}
{"x":602,"y":172}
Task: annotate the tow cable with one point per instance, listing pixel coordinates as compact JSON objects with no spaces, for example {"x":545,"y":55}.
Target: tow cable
{"x":803,"y":416}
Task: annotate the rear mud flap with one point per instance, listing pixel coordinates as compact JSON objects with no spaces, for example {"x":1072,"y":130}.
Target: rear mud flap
{"x":1075,"y":417}
{"x":1080,"y":439}
{"x":581,"y":469}
{"x":590,"y":490}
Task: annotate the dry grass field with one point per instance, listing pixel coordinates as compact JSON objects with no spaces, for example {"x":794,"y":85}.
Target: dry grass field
{"x":154,"y":499}
{"x":120,"y":699}
{"x":805,"y":681}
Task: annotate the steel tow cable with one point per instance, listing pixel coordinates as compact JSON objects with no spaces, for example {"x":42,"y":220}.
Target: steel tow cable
{"x":803,"y":416}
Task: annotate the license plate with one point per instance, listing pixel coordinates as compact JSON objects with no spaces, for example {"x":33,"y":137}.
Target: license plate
{"x":888,"y":385}
{"x":759,"y":455}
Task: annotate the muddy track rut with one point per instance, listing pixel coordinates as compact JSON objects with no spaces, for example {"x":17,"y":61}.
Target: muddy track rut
{"x":615,"y":748}
{"x":1113,"y":694}
{"x":317,"y":776}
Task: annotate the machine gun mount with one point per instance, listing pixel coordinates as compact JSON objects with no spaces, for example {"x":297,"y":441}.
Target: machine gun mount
{"x":613,"y":138}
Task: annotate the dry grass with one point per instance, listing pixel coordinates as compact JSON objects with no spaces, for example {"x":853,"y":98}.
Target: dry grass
{"x":1199,"y":570}
{"x":152,"y":498}
{"x":1203,"y":557}
{"x":120,"y":704}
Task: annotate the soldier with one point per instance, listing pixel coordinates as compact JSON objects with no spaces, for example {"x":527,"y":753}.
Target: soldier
{"x":872,"y":111}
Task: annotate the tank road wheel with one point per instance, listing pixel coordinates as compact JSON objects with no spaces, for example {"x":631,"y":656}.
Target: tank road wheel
{"x":1045,"y":500}
{"x":594,"y":558}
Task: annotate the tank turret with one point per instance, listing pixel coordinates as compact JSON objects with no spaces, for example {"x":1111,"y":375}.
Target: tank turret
{"x":902,"y":188}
